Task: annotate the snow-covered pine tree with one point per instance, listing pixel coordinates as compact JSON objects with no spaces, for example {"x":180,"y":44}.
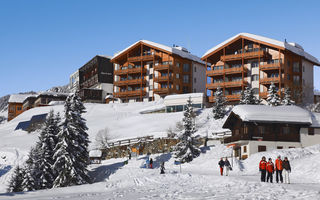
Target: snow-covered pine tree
{"x":315,"y":107}
{"x":218,"y":108}
{"x":273,"y":98}
{"x":186,"y":149}
{"x":247,"y":97}
{"x":287,"y":98}
{"x":31,"y":170}
{"x":47,"y":143}
{"x":71,"y":157}
{"x":15,"y":184}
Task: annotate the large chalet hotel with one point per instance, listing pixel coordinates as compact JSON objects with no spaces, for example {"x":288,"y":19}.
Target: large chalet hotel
{"x":146,"y":71}
{"x":256,"y":61}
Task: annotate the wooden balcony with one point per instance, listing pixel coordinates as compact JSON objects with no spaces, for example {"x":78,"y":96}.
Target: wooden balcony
{"x":269,"y":80}
{"x":163,"y":67}
{"x":271,"y":66}
{"x":233,"y":97}
{"x":236,"y":70}
{"x":211,"y":99}
{"x":265,"y":94}
{"x":265,"y":137}
{"x":162,"y":90}
{"x":231,"y":84}
{"x":163,"y":79}
{"x":215,"y":85}
{"x":246,"y":55}
{"x":142,"y":58}
{"x":130,"y":82}
{"x":135,"y":93}
{"x":130,"y":71}
{"x":215,"y":72}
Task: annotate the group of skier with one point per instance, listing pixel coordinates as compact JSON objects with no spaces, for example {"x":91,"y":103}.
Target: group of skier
{"x":268,"y":168}
{"x":224,"y":164}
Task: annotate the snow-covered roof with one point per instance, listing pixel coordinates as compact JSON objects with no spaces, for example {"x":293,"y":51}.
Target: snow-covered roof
{"x":19,"y":98}
{"x":315,"y":119}
{"x":54,"y":103}
{"x":293,"y":47}
{"x":95,"y":153}
{"x":184,"y":96}
{"x":264,"y":113}
{"x":105,"y":56}
{"x":316,"y":92}
{"x":55,"y":94}
{"x":175,"y":50}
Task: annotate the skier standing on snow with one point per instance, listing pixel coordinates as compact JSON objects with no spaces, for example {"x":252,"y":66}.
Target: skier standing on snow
{"x":270,"y":170}
{"x":262,"y":168}
{"x":287,"y":169}
{"x":162,"y":168}
{"x":151,"y":162}
{"x":227,"y":165}
{"x":221,"y":164}
{"x":279,"y":169}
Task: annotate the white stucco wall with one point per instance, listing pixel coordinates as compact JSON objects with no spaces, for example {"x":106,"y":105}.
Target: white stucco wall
{"x":200,"y":75}
{"x":309,"y":140}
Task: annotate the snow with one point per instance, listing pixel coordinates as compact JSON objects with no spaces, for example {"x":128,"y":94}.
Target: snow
{"x":53,"y":103}
{"x":199,"y":179}
{"x":166,"y":48}
{"x":315,"y":119}
{"x":291,"y":47}
{"x":19,"y":98}
{"x":95,"y":153}
{"x":184,"y":96}
{"x":289,"y":114}
{"x":55,"y":94}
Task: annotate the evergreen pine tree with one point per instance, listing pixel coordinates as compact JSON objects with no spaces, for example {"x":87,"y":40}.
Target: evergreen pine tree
{"x":316,"y":108}
{"x":31,"y":170}
{"x":273,"y":98}
{"x":71,"y":154}
{"x":15,"y":184}
{"x":186,"y":149}
{"x":247,"y":97}
{"x":287,"y":98}
{"x":218,"y":108}
{"x":47,"y":143}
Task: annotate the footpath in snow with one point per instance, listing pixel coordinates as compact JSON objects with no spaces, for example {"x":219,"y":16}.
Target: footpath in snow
{"x":199,"y":179}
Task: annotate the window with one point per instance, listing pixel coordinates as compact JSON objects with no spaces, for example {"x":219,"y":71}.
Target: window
{"x":296,"y":67}
{"x":279,"y":147}
{"x":291,"y":147}
{"x":185,"y":89}
{"x":244,"y":149}
{"x":254,"y":64}
{"x":296,"y":80}
{"x":286,"y":130}
{"x":18,"y":108}
{"x":262,"y":148}
{"x":288,"y":76}
{"x":310,"y":131}
{"x":151,"y":87}
{"x":288,"y":63}
{"x":177,"y":87}
{"x":177,"y":76}
{"x":150,"y":98}
{"x":255,"y":77}
{"x":194,"y":90}
{"x":262,"y":130}
{"x":186,"y":67}
{"x":150,"y":65}
{"x":195,"y":69}
{"x":236,"y":131}
{"x":150,"y":76}
{"x":185,"y":78}
{"x":195,"y":80}
{"x":245,"y":130}
{"x":178,"y":64}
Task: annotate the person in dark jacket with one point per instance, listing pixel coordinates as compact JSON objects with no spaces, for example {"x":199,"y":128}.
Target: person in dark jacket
{"x":151,"y":162}
{"x":221,"y":164}
{"x":286,"y":170}
{"x":162,"y":168}
{"x":263,"y":168}
{"x":227,"y":166}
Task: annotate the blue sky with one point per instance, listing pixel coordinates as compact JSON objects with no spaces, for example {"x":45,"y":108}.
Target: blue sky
{"x":43,"y":42}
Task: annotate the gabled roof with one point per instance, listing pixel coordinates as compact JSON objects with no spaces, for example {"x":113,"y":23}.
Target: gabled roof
{"x":293,"y":47}
{"x":165,"y":48}
{"x":271,"y":114}
{"x":19,"y":98}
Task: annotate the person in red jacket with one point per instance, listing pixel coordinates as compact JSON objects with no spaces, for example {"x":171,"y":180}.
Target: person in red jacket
{"x":263,"y":168}
{"x":279,"y":169}
{"x":270,"y":170}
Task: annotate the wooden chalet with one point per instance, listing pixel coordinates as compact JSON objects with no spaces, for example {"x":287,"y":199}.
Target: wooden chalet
{"x":96,"y":79}
{"x":44,"y":98}
{"x":147,"y":70}
{"x":257,"y":128}
{"x":15,"y":104}
{"x":28,"y":103}
{"x":256,"y":61}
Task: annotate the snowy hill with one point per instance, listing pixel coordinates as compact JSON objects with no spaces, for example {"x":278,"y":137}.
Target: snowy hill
{"x":199,"y":179}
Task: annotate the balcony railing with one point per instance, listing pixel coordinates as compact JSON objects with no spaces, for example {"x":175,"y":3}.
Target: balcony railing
{"x":234,"y":70}
{"x":162,"y":90}
{"x":143,"y":58}
{"x":270,"y":80}
{"x":233,"y":97}
{"x":265,"y":94}
{"x":265,"y":137}
{"x":130,"y":82}
{"x":245,"y":55}
{"x":215,"y":85}
{"x":215,"y":72}
{"x":130,"y":71}
{"x":163,"y":67}
{"x":271,"y":66}
{"x":163,"y":78}
{"x":235,"y":83}
{"x":130,"y":93}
